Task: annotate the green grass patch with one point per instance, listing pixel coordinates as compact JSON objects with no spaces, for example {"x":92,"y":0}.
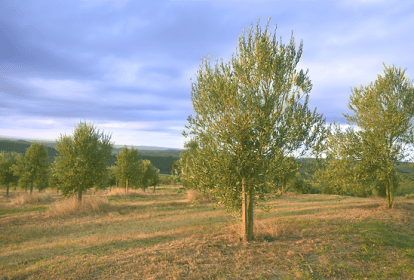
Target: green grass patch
{"x":8,"y":211}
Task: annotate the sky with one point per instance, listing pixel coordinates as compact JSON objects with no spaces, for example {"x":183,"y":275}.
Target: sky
{"x":126,"y":65}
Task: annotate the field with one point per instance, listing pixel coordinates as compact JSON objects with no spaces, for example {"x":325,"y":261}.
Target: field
{"x":169,"y":235}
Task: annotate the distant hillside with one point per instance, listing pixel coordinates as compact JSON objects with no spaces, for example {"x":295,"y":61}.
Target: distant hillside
{"x":20,"y":146}
{"x":161,"y":158}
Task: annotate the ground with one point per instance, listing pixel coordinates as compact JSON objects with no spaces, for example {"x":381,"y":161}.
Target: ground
{"x":169,"y":235}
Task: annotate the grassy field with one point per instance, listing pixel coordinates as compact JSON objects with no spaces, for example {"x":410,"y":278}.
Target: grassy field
{"x":167,"y":235}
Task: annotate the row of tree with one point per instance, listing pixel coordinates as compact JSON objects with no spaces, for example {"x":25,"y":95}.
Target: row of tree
{"x":82,"y":163}
{"x":252,"y":120}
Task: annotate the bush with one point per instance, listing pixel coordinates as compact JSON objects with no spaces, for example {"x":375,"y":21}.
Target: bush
{"x":409,"y":196}
{"x":300,"y":185}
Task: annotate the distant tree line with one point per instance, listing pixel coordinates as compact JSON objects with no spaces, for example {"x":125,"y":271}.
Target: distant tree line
{"x":162,"y":159}
{"x":82,"y":162}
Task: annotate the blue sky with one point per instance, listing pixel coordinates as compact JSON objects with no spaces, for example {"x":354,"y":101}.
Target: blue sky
{"x":126,"y":65}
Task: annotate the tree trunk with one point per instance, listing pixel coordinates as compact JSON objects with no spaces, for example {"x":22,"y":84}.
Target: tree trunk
{"x":79,"y":193}
{"x":31,"y":188}
{"x":247,"y":214}
{"x":126,"y":186}
{"x":8,"y":186}
{"x":153,"y":189}
{"x":390,"y":193}
{"x":250,"y":215}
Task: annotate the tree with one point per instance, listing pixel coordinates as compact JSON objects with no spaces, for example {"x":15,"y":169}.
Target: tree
{"x":33,"y":168}
{"x":151,"y":175}
{"x":250,"y":114}
{"x":367,"y":154}
{"x":7,"y":176}
{"x":129,"y":167}
{"x":83,"y":159}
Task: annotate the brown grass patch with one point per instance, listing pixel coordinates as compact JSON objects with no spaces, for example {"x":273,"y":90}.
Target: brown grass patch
{"x":72,"y":206}
{"x":121,"y":192}
{"x":159,"y":238}
{"x":197,"y":196}
{"x":34,"y":198}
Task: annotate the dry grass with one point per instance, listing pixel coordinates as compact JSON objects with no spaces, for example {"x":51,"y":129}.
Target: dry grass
{"x":197,"y":196}
{"x":120,"y":192}
{"x":34,"y":198}
{"x":165,"y":236}
{"x":72,"y":206}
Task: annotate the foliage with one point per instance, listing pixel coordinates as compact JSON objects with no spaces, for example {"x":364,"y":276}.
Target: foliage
{"x":129,"y":169}
{"x":366,"y":158}
{"x":111,"y":176}
{"x":151,"y":176}
{"x":286,"y":172}
{"x":7,"y":176}
{"x":33,"y":168}
{"x":301,"y":185}
{"x":250,"y":114}
{"x":82,"y":160}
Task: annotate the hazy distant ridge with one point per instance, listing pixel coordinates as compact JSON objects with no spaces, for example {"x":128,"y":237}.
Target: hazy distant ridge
{"x":52,"y":143}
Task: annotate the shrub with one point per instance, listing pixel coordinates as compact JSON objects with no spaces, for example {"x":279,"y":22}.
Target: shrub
{"x":409,"y":196}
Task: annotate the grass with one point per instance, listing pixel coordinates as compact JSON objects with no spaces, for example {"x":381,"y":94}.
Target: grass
{"x":178,"y":235}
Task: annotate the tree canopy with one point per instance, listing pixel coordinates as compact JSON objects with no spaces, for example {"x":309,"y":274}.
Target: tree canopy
{"x":151,"y":176}
{"x":83,"y":159}
{"x":129,"y":168}
{"x":33,"y":168}
{"x":381,"y":135}
{"x":7,"y":176}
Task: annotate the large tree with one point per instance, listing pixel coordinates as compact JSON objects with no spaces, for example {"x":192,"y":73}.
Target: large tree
{"x":381,"y":135}
{"x":129,"y":168}
{"x":250,"y":115}
{"x":83,"y":159}
{"x":33,"y":168}
{"x":7,"y":176}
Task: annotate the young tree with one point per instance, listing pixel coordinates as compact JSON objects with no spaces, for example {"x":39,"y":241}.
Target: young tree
{"x":33,"y":168}
{"x":384,"y":114}
{"x":250,"y":114}
{"x":7,"y":176}
{"x":83,"y":159}
{"x":151,"y":175}
{"x":129,"y":167}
